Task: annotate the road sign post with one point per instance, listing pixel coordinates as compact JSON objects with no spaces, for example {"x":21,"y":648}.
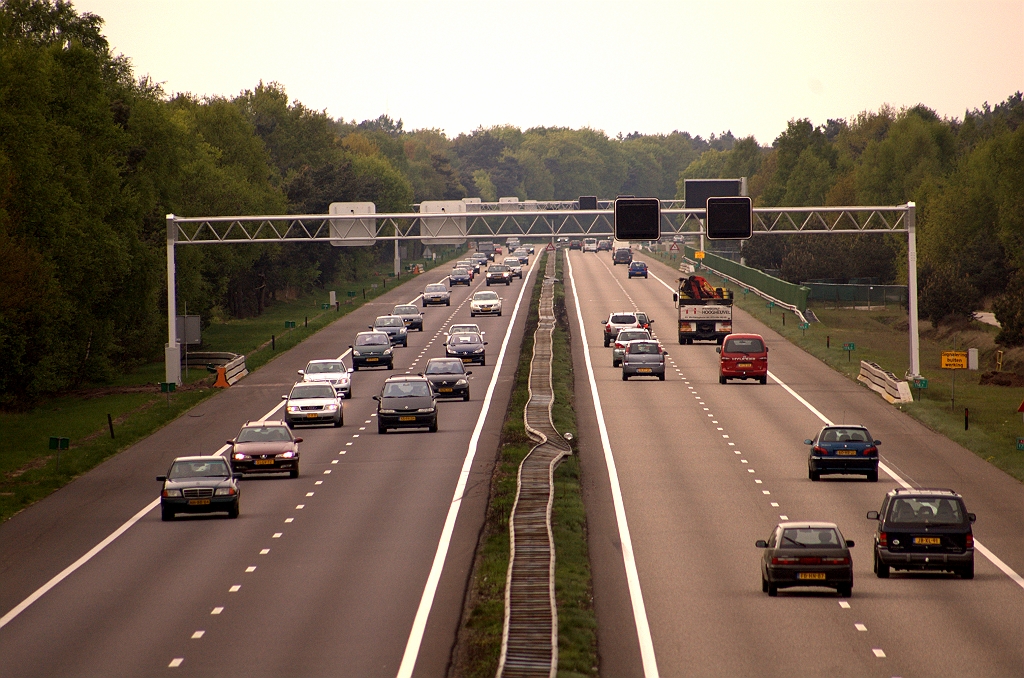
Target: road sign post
{"x":849,"y":348}
{"x":803,"y":328}
{"x":953,"y":360}
{"x":57,"y":443}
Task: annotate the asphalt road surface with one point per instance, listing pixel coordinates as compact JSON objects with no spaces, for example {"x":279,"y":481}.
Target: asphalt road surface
{"x":328,"y":574}
{"x":706,"y":469}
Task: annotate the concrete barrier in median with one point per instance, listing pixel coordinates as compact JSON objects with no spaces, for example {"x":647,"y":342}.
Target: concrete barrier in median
{"x":232,"y":364}
{"x":884,"y":383}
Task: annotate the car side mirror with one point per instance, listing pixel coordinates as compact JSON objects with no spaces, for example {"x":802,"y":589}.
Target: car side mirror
{"x":284,"y":397}
{"x":297,"y":440}
{"x":302,"y":372}
{"x":718,"y":349}
{"x":850,"y":544}
{"x":877,"y":443}
{"x":972,"y":517}
{"x":231,"y":442}
{"x":369,"y":327}
{"x":485,"y":343}
{"x":808,"y":442}
{"x":872,"y":515}
{"x":469,"y":372}
{"x":650,"y":321}
{"x":675,"y":297}
{"x":350,"y":370}
{"x":161,"y":478}
{"x":761,"y":544}
{"x":377,"y":398}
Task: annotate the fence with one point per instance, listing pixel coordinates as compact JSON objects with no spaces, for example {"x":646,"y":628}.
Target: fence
{"x":788,"y":293}
{"x":846,"y":294}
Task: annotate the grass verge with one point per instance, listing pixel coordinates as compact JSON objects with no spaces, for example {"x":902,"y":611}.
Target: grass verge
{"x":478,"y":647}
{"x":880,"y":335}
{"x":28,"y":468}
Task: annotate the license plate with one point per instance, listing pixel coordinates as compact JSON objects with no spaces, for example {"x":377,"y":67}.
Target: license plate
{"x":467,"y":360}
{"x":264,"y":462}
{"x":312,"y":415}
{"x":931,"y":541}
{"x":198,"y":502}
{"x":846,"y":453}
{"x":643,"y":369}
{"x":744,"y":364}
{"x":815,"y":576}
{"x":407,"y":419}
{"x":372,"y":360}
{"x":444,"y":390}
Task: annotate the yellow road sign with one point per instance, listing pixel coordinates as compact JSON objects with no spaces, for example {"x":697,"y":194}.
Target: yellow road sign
{"x":698,"y":254}
{"x":954,"y":360}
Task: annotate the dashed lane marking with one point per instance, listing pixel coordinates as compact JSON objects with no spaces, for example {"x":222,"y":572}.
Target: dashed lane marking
{"x":878,"y":652}
{"x":197,"y":635}
{"x":235,"y":589}
{"x":264,"y":552}
{"x":843,"y":604}
{"x":217,"y":610}
{"x":860,"y":627}
{"x":176,"y":662}
{"x":251,"y":568}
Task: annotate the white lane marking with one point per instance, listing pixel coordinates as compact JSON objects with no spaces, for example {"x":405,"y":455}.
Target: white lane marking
{"x":176,"y":662}
{"x":326,"y":472}
{"x":860,"y":627}
{"x":346,"y":445}
{"x":235,"y":588}
{"x":362,"y":428}
{"x":251,"y":568}
{"x":335,"y":461}
{"x":264,"y":552}
{"x":320,"y":482}
{"x":765,"y":492}
{"x":878,"y":652}
{"x":843,"y":604}
{"x":217,"y":610}
{"x":198,"y":634}
{"x":300,"y":506}
{"x":38,"y":593}
{"x":775,"y":504}
{"x":419,"y":624}
{"x":643,"y":628}
{"x":277,"y":535}
{"x":783,"y":517}
{"x":287,"y":520}
{"x":978,"y":546}
{"x":309,"y":494}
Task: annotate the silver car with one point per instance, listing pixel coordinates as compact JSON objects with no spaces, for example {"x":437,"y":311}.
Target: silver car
{"x":643,"y":359}
{"x":626,"y":336}
{"x":311,"y":403}
{"x":514,"y":265}
{"x":331,"y":372}
{"x":436,"y":294}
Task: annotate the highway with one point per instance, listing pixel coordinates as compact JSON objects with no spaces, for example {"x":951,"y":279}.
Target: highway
{"x":705,"y":469}
{"x":356,"y":568}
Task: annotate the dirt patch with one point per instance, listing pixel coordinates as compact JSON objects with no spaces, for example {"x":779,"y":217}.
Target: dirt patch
{"x":39,"y":462}
{"x":1011,"y":379}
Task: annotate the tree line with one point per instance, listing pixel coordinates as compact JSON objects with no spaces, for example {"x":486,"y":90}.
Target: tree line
{"x":93,"y":157}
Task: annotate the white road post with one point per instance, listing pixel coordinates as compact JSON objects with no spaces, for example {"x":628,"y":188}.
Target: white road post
{"x":915,"y":339}
{"x":398,"y":257}
{"x":172,"y":350}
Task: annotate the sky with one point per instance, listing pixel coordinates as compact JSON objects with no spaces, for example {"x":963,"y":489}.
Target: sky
{"x":652,"y":67}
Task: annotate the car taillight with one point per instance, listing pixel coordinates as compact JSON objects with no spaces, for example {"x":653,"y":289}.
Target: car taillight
{"x":618,"y":345}
{"x":820,"y":450}
{"x":810,"y":560}
{"x":871,"y":450}
{"x":784,"y":560}
{"x":970,"y":540}
{"x":883,"y":539}
{"x":834,"y":561}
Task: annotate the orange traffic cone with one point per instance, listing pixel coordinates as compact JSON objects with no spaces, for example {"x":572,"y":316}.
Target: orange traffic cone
{"x":222,"y":381}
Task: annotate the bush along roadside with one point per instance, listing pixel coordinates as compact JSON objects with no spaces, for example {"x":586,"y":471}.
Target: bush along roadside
{"x":478,"y":646}
{"x":29,"y":468}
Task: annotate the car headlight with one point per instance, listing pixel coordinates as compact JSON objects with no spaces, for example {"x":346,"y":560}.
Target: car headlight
{"x":294,"y":408}
{"x":479,"y":350}
{"x":240,"y":457}
{"x":462,"y":382}
{"x":402,"y":331}
{"x":425,"y":410}
{"x":387,"y":411}
{"x":331,"y":407}
{"x":172,"y":493}
{"x":224,"y":491}
{"x":355,"y":352}
{"x":387,"y":351}
{"x":287,"y":455}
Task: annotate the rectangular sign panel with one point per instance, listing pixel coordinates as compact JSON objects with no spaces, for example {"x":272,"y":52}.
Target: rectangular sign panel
{"x":729,"y":218}
{"x":443,"y":230}
{"x":637,"y":219}
{"x":353,"y":232}
{"x":954,"y":360}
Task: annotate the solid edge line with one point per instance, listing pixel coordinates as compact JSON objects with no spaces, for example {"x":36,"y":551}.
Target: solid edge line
{"x":643,"y":629}
{"x":419,"y":624}
{"x":77,"y":564}
{"x":993,"y":558}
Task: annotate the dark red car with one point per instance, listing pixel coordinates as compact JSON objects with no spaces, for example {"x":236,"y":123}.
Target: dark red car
{"x":265,"y":447}
{"x":744,"y":356}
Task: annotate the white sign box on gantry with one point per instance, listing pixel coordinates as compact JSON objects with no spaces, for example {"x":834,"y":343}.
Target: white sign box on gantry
{"x":353,"y":232}
{"x":444,"y":229}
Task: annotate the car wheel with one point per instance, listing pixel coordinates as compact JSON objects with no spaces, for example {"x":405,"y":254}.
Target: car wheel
{"x":381,"y":428}
{"x":881,"y":569}
{"x":721,"y":379}
{"x":355,"y":368}
{"x":606,"y":342}
{"x":340,"y":422}
{"x":499,"y":314}
{"x":289,"y":424}
{"x":472,"y":315}
{"x":405,"y":344}
{"x":483,"y":362}
{"x":615,"y":363}
{"x":763,"y":380}
{"x":233,"y":511}
{"x":294,"y":473}
{"x":845,"y":591}
{"x":488,"y":283}
{"x":624,"y":377}
{"x":773,"y":590}
{"x":967,"y":571}
{"x":391,"y":365}
{"x":814,"y":475}
{"x":873,"y":476}
{"x":433,"y":427}
{"x":661,"y":377}
{"x":166,"y":513}
{"x":447,"y":303}
{"x":465,"y":398}
{"x":764,"y":584}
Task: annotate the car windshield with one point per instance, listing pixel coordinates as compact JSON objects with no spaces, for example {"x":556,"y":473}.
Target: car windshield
{"x":434,"y":288}
{"x":388,"y":321}
{"x":931,"y":510}
{"x":460,"y":271}
{"x":325,"y":368}
{"x":312,"y":391}
{"x":444,"y":367}
{"x":845,"y":435}
{"x":498,"y":268}
{"x":406,"y":310}
{"x":372,"y":340}
{"x":263,"y":434}
{"x":751,"y":345}
{"x":511,"y":262}
{"x":464,"y":338}
{"x":199,"y":469}
{"x":647,"y":347}
{"x":633,"y":335}
{"x":485,"y":296}
{"x":810,"y":537}
{"x":406,"y":389}
{"x":622,"y":319}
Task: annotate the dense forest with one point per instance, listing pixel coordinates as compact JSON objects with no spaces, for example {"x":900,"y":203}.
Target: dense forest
{"x":92,"y":157}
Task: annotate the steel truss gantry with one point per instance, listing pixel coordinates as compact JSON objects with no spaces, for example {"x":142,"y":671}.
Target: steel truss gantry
{"x":525,"y":219}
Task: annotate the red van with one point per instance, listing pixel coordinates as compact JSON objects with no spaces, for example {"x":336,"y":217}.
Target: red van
{"x":744,"y":356}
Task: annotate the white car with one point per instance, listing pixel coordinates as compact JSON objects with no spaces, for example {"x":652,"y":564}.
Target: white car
{"x":311,"y":403}
{"x":590,"y":244}
{"x":514,"y":265}
{"x":332,"y":372}
{"x":462,"y":328}
{"x":485,"y":303}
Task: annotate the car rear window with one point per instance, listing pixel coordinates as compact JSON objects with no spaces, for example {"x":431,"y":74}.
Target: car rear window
{"x":372,"y":340}
{"x":648,"y":347}
{"x":623,"y":319}
{"x":926,"y":510}
{"x":263,"y":434}
{"x":752,"y":345}
{"x":632,"y":336}
{"x":389,"y":322}
{"x":845,"y":435}
{"x":406,"y":389}
{"x":198,"y":469}
{"x":810,"y":537}
{"x":465,"y":338}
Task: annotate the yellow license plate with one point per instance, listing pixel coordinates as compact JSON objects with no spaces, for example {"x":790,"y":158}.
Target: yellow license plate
{"x":467,"y":360}
{"x":445,"y":390}
{"x":744,"y":364}
{"x":372,"y":360}
{"x":198,"y":502}
{"x":846,"y":453}
{"x":931,"y":541}
{"x":643,"y":369}
{"x":312,"y":415}
{"x":407,"y":419}
{"x":815,"y":576}
{"x":264,"y":462}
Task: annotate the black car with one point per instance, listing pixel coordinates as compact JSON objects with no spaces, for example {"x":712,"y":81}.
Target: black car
{"x":843,"y":449}
{"x":460,"y":276}
{"x":604,"y":245}
{"x":265,"y":447}
{"x":467,"y":346}
{"x":410,"y":315}
{"x":448,"y":377}
{"x":623,"y":255}
{"x":498,"y":274}
{"x":406,"y":402}
{"x":372,"y":349}
{"x":806,"y":554}
{"x":394,"y":327}
{"x":924,"y":529}
{"x":637,"y":269}
{"x":576,"y":244}
{"x":202,"y":484}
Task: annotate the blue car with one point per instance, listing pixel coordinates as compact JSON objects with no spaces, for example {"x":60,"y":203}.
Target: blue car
{"x":637,"y":269}
{"x":843,"y":449}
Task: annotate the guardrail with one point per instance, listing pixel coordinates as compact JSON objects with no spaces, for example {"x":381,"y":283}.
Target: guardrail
{"x":764,"y":295}
{"x":232,"y":365}
{"x":885,"y":383}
